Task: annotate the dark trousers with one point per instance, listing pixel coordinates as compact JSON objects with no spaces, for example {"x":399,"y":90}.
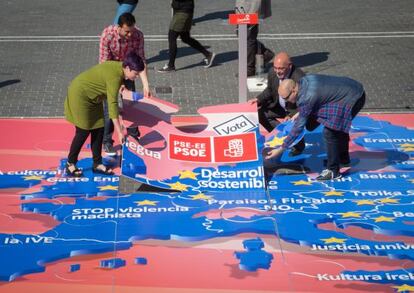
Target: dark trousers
{"x":186,"y":38}
{"x":78,"y":141}
{"x":109,"y":125}
{"x":253,"y":47}
{"x":337,"y":142}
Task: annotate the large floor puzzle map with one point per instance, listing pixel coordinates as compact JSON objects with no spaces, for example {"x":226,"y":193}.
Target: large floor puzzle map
{"x":216,"y":220}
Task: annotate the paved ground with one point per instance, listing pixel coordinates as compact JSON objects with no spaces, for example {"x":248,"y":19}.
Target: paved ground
{"x":44,"y":44}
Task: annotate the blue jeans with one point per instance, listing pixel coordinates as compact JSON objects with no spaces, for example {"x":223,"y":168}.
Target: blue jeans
{"x":123,"y":8}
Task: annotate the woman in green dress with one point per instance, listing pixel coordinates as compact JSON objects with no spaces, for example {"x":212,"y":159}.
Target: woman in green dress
{"x":84,"y":107}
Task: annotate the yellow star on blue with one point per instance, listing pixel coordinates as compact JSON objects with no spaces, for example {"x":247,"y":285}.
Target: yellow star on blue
{"x":333,"y":193}
{"x":301,"y":182}
{"x":188,"y":174}
{"x":178,"y":186}
{"x":201,"y":196}
{"x":146,"y":202}
{"x":351,"y":215}
{"x":33,"y":177}
{"x":384,"y":219}
{"x":333,"y":240}
{"x":108,"y":187}
{"x":276,"y":141}
{"x":404,"y":288}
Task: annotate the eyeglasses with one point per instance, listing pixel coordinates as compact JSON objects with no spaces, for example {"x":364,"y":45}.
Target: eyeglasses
{"x":288,"y":96}
{"x":281,"y":67}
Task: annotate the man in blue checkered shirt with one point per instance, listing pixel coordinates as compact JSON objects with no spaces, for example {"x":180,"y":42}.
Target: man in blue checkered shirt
{"x":332,"y":101}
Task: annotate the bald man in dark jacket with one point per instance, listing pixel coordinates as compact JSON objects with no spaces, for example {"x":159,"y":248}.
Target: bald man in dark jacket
{"x":271,"y":108}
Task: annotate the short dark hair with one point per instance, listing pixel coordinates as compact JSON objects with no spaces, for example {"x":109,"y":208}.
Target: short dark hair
{"x":126,"y":18}
{"x":134,"y":62}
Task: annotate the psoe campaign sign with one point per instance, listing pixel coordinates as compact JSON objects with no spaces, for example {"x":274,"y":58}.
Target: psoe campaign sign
{"x":243,"y":18}
{"x":222,"y":149}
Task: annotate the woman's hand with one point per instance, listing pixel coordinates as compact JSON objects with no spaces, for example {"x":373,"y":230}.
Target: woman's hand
{"x":147,"y":92}
{"x":127,"y":95}
{"x":121,"y":136}
{"x":119,"y":128}
{"x":121,"y":89}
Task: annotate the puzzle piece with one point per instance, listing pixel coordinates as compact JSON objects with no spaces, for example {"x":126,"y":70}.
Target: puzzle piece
{"x":141,"y":261}
{"x":255,"y":258}
{"x":74,"y":268}
{"x":349,"y":222}
{"x":113,"y":263}
{"x":167,"y":157}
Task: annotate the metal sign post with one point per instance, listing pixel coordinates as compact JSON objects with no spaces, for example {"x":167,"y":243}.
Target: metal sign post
{"x":242,"y":63}
{"x":242,"y":20}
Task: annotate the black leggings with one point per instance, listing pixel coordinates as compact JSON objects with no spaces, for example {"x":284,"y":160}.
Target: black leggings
{"x":79,"y":139}
{"x":186,"y":38}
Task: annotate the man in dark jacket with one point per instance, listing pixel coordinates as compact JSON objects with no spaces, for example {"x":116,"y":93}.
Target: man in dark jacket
{"x":272,"y":109}
{"x":180,"y":26}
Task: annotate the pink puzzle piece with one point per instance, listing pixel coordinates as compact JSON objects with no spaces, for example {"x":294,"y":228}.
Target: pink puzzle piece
{"x":223,"y":136}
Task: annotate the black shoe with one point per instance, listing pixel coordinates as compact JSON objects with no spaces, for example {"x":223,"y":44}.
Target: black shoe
{"x":166,"y":69}
{"x":294,"y":152}
{"x":328,"y":175}
{"x":209,"y":60}
{"x":268,"y":56}
{"x":73,"y":171}
{"x":108,"y":148}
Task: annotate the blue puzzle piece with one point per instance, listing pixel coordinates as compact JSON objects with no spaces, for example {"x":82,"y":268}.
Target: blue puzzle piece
{"x":141,"y":261}
{"x":74,"y":268}
{"x":253,"y":244}
{"x":255,"y":258}
{"x":112,"y":263}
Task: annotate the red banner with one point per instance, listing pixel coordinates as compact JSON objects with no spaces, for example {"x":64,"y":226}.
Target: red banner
{"x":189,"y":148}
{"x":229,"y":148}
{"x":245,"y":18}
{"x":235,"y":148}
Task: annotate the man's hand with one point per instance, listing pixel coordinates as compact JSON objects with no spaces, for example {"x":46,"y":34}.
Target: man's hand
{"x":274,"y":153}
{"x":254,"y":101}
{"x":281,"y":120}
{"x":294,"y":117}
